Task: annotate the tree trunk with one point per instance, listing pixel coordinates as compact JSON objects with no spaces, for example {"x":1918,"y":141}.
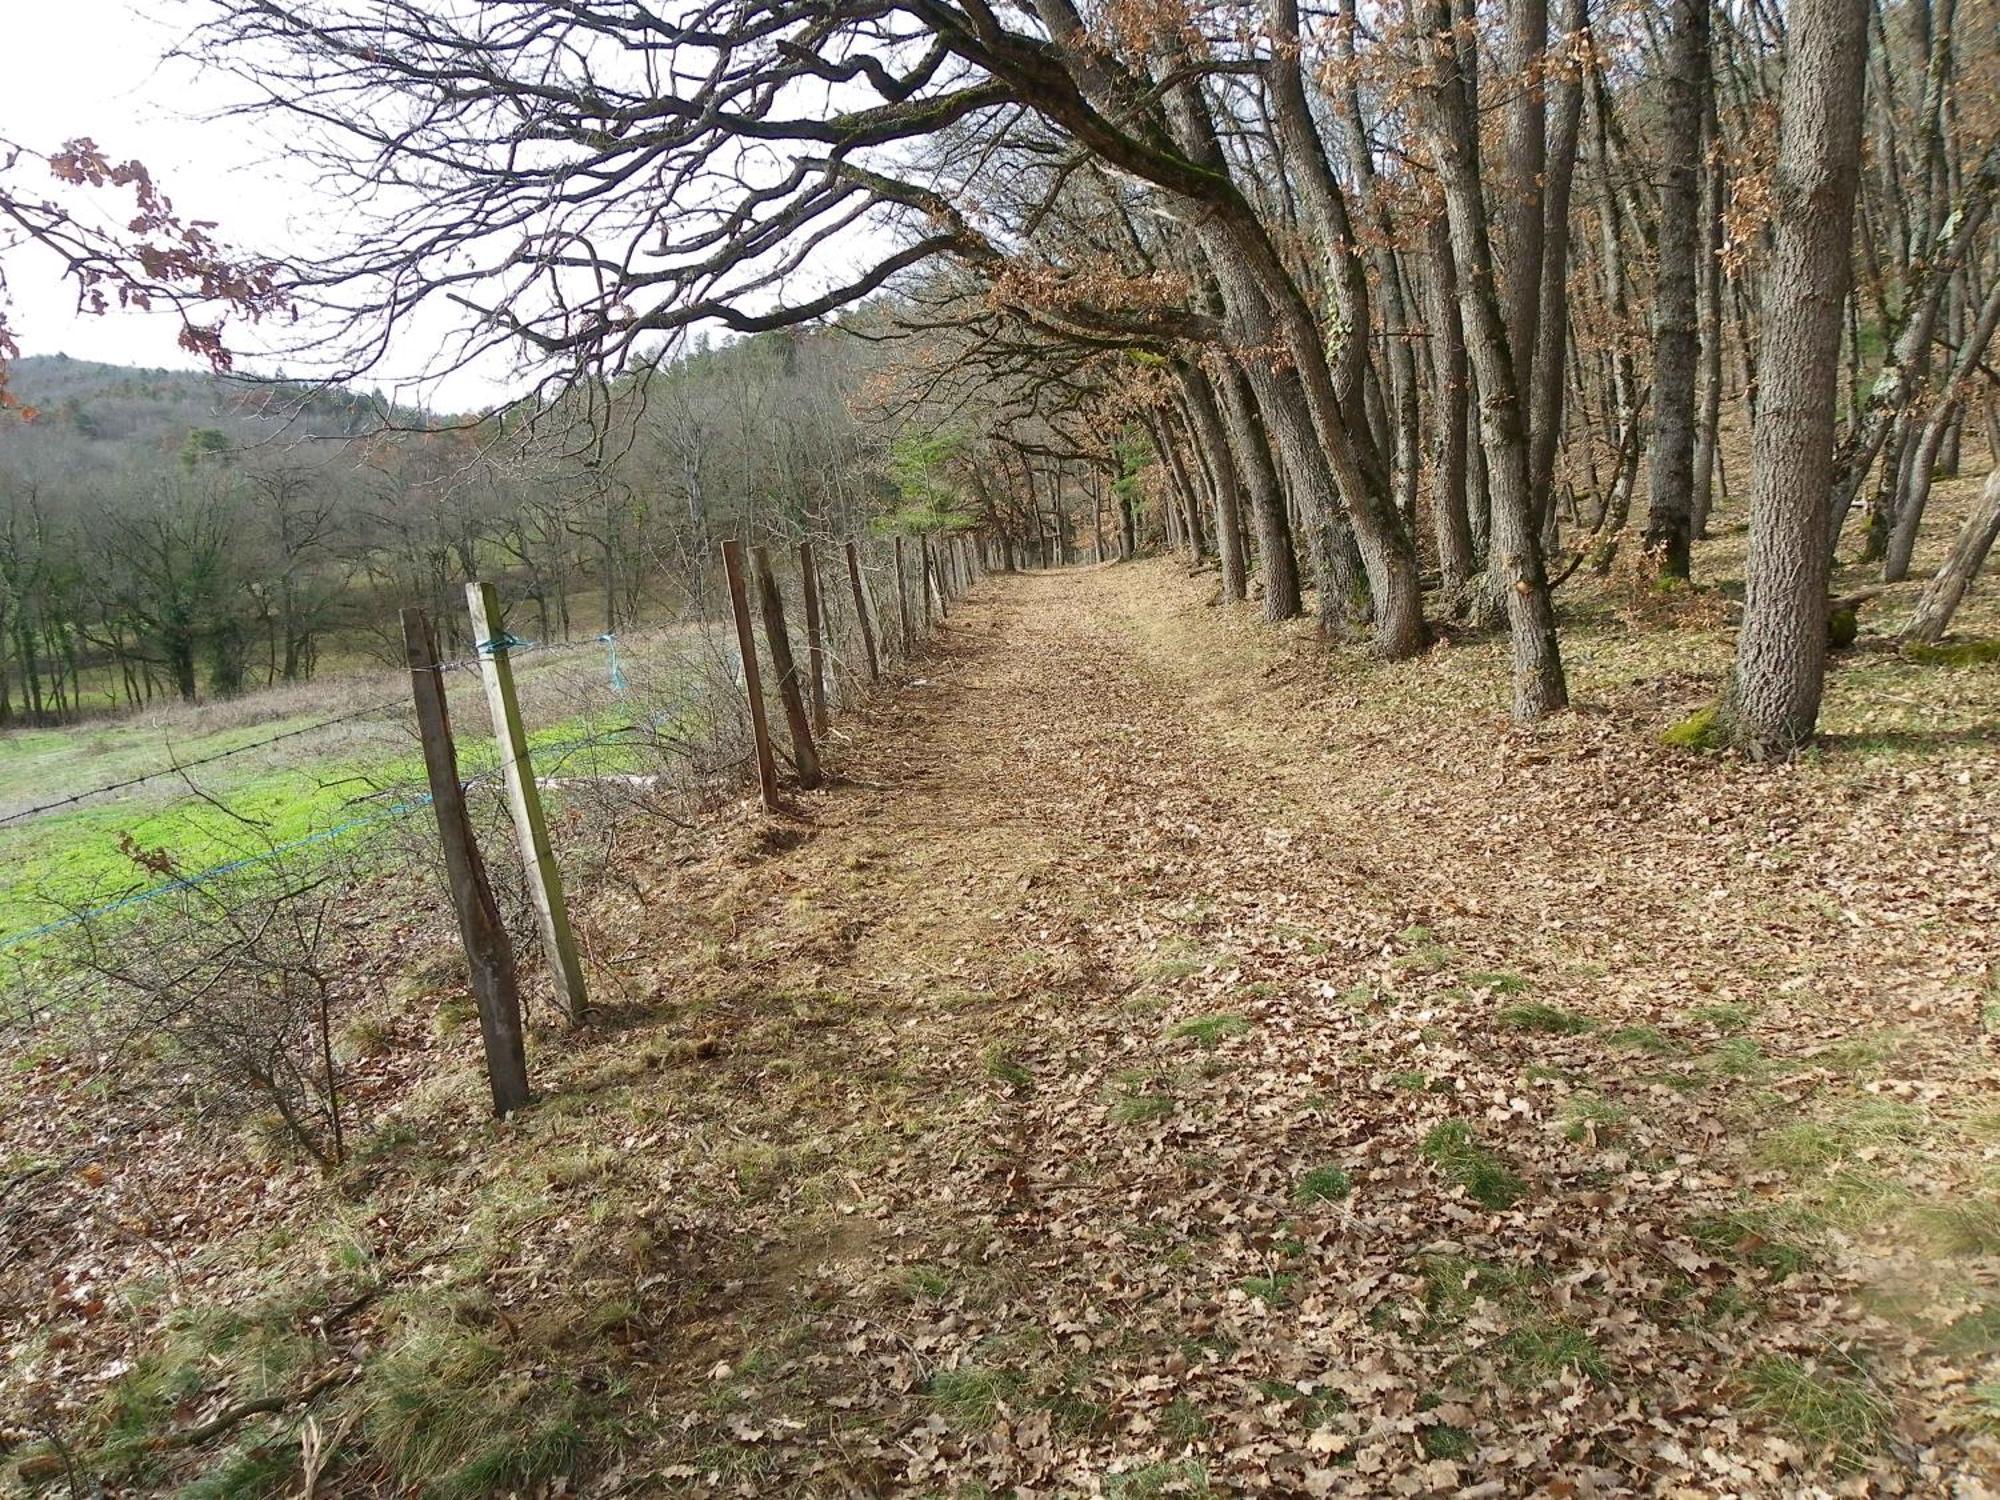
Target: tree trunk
{"x":1183,"y":484}
{"x":1774,"y":696}
{"x":1277,"y":563}
{"x":1707,"y":449}
{"x":1206,"y":424}
{"x":1544,"y":392}
{"x":1626,"y":396}
{"x":1909,"y":353}
{"x":180,"y":657}
{"x":1275,"y":321}
{"x":1925,"y":461}
{"x":1096,"y":518}
{"x":1450,"y":516}
{"x":1968,"y":553}
{"x":1676,"y":334}
{"x":1523,"y":183}
{"x":1399,"y":357}
{"x":1515,"y":559}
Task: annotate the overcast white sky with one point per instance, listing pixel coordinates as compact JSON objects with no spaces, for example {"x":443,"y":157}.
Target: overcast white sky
{"x":93,"y":68}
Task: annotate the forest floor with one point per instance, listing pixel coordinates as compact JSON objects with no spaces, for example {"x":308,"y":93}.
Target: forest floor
{"x":1172,"y":1059}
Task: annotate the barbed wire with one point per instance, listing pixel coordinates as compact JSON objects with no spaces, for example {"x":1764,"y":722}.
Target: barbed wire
{"x":553,"y":755}
{"x":179,"y":767}
{"x":513,"y":646}
{"x":216,"y":872}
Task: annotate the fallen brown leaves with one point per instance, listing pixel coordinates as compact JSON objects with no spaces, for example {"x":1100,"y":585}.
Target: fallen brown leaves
{"x":1165,"y":1069}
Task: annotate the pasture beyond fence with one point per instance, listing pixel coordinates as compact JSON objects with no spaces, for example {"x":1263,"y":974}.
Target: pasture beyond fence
{"x":248,"y":957}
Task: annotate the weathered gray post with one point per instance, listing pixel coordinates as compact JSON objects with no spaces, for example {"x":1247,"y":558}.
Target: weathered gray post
{"x":815,"y":645}
{"x":753,"y":684}
{"x":779,"y":644}
{"x":489,"y":956}
{"x":861,"y":611}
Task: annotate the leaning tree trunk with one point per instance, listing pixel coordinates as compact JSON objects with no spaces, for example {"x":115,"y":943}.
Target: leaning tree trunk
{"x":1353,"y":133}
{"x":1916,"y":490}
{"x":1206,"y":426}
{"x":1277,"y":563}
{"x":1339,"y":571}
{"x":1182,"y":489}
{"x":1324,"y":204}
{"x":1274,"y":319}
{"x":1774,"y":695}
{"x":1909,"y":353}
{"x":1968,"y":553}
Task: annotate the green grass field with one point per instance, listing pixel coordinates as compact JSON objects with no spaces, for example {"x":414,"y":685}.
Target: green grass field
{"x":57,"y":863}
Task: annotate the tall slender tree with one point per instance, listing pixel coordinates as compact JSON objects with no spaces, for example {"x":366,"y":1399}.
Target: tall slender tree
{"x":1774,"y":696}
{"x":1676,"y":332}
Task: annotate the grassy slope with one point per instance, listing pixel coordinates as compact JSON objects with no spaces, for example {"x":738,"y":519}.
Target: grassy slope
{"x":1178,"y":1059}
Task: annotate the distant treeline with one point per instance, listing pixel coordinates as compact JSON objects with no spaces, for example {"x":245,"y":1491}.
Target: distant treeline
{"x":170,"y":534}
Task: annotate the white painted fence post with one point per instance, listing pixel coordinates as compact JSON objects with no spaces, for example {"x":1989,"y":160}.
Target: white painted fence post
{"x":545,"y":889}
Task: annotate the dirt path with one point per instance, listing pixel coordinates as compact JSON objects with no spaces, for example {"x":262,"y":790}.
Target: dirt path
{"x":1156,"y":1073}
{"x":1175,"y":1058}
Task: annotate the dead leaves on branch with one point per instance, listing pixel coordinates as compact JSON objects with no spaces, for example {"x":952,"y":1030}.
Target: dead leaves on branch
{"x":152,"y":257}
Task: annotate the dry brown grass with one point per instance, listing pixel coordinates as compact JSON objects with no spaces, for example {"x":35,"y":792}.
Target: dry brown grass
{"x":847,"y":1190}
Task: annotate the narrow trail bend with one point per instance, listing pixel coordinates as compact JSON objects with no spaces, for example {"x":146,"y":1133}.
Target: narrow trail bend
{"x":1161,"y":1066}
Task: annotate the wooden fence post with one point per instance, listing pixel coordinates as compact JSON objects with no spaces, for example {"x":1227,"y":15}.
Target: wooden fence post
{"x":815,"y":647}
{"x":746,"y":646}
{"x":517,"y":769}
{"x":861,"y":612}
{"x":924,"y":578}
{"x":902,"y":598}
{"x":489,"y":956}
{"x":779,"y":644}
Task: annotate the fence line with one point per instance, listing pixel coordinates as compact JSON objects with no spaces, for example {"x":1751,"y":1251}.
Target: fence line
{"x":552,"y":756}
{"x":520,"y":648}
{"x":556,"y":752}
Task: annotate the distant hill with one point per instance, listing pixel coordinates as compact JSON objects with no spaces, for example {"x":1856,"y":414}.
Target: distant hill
{"x":128,"y":403}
